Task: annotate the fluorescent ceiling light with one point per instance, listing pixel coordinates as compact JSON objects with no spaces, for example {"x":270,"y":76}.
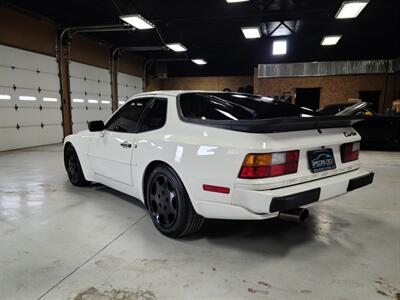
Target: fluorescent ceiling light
{"x":48,"y":99}
{"x":5,"y":97}
{"x":330,"y":40}
{"x":251,"y":32}
{"x":351,"y":9}
{"x":27,"y":98}
{"x":137,"y":21}
{"x":279,"y":48}
{"x":177,"y":47}
{"x":121,"y":102}
{"x":236,"y":1}
{"x":78,"y":100}
{"x":93,"y":101}
{"x":199,"y":61}
{"x":105,"y":102}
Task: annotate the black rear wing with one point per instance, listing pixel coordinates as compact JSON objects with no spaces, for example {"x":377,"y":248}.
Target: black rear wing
{"x":280,"y":124}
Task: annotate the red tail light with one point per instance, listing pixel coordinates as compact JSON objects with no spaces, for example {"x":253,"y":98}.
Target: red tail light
{"x":269,"y":164}
{"x":350,"y":152}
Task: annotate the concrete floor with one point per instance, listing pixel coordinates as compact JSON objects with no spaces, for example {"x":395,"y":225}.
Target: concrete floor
{"x":62,"y":242}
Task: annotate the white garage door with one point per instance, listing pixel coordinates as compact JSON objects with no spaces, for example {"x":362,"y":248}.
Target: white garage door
{"x":90,"y":94}
{"x":128,"y":86}
{"x":30,"y":113}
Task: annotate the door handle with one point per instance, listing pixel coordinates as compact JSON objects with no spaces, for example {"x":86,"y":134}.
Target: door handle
{"x":126,"y":144}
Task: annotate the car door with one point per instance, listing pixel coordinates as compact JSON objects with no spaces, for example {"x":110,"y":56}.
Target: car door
{"x":111,"y":151}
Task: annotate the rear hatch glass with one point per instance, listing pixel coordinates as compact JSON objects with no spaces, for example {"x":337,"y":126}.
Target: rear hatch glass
{"x":231,"y":106}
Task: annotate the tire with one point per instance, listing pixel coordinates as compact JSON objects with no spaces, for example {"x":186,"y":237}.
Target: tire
{"x":169,"y":205}
{"x":73,"y":167}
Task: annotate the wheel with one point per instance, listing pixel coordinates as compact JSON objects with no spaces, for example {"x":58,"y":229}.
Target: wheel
{"x":74,"y":168}
{"x":169,"y":205}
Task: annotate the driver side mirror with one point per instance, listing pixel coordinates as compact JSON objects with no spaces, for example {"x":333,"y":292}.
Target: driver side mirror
{"x":96,"y":126}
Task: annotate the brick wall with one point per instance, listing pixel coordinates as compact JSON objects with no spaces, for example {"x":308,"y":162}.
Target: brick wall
{"x":217,"y":83}
{"x":334,"y":89}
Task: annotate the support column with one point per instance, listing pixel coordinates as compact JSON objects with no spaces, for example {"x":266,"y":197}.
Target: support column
{"x":114,"y":81}
{"x":63,"y":63}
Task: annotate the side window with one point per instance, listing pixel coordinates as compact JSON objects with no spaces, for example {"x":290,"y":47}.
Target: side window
{"x":127,"y":119}
{"x":156,"y":116}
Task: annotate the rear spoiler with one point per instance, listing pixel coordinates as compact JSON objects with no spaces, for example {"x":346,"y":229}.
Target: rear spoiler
{"x":280,"y":124}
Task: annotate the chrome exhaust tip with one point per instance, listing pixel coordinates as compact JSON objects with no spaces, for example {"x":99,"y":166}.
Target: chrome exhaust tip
{"x":297,"y":215}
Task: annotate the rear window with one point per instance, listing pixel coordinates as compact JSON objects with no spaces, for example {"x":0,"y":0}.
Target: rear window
{"x":231,"y":106}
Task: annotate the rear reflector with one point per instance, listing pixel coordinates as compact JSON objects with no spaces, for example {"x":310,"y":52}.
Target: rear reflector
{"x":216,"y":189}
{"x":269,"y":165}
{"x":350,"y":152}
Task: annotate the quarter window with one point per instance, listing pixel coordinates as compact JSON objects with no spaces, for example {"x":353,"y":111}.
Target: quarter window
{"x":156,"y":116}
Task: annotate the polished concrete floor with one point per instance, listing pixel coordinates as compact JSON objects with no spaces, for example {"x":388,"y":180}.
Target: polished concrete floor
{"x":62,"y":242}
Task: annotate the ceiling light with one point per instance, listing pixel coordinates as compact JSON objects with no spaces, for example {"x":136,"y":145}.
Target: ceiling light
{"x":177,"y":47}
{"x":330,"y":40}
{"x":5,"y":97}
{"x":279,"y":48}
{"x":93,"y":101}
{"x":351,"y":9}
{"x":236,"y":1}
{"x":199,"y":61}
{"x":137,"y":21}
{"x":78,"y":100}
{"x":251,"y":32}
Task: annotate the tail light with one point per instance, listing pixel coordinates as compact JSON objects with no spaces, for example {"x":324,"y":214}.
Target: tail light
{"x":269,"y":164}
{"x":350,"y":151}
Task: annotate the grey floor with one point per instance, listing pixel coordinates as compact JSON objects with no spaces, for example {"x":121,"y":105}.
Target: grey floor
{"x":62,"y":242}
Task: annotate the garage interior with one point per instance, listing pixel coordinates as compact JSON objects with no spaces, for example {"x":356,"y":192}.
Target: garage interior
{"x":64,"y":63}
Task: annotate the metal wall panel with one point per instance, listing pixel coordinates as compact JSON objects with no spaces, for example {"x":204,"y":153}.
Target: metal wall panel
{"x":90,"y":94}
{"x":326,"y":68}
{"x":128,"y":86}
{"x":37,"y":120}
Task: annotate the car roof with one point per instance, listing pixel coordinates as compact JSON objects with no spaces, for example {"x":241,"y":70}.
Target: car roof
{"x":175,"y":93}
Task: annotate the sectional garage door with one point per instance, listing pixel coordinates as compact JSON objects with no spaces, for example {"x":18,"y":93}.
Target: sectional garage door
{"x":128,"y":86}
{"x":90,"y":94}
{"x":30,"y":113}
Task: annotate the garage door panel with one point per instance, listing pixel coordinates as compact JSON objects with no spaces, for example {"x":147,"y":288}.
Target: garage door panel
{"x":28,"y":79}
{"x":77,"y":83}
{"x":92,"y":86}
{"x":128,"y":86}
{"x":23,"y":59}
{"x":7,"y":116}
{"x":50,"y":99}
{"x":105,"y":90}
{"x":31,"y":116}
{"x":24,"y":137}
{"x":48,"y":81}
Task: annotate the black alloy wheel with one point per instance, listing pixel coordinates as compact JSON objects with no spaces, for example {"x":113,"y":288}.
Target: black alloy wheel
{"x":163,"y":202}
{"x":74,"y":169}
{"x":169,"y":205}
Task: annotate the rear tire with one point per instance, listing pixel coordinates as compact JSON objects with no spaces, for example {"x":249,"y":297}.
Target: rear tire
{"x":169,"y":205}
{"x":73,"y":167}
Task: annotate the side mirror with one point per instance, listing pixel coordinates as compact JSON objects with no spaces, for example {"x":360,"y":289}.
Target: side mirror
{"x":96,"y":126}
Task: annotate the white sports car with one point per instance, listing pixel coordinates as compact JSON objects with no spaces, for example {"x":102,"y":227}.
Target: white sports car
{"x":191,"y":155}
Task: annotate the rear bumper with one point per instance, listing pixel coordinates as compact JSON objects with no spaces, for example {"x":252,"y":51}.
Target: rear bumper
{"x":249,"y":204}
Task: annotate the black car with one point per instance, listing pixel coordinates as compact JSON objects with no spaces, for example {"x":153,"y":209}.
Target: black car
{"x":378,"y":132}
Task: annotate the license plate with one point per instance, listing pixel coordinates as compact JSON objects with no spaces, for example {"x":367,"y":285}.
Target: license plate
{"x":321,"y":160}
